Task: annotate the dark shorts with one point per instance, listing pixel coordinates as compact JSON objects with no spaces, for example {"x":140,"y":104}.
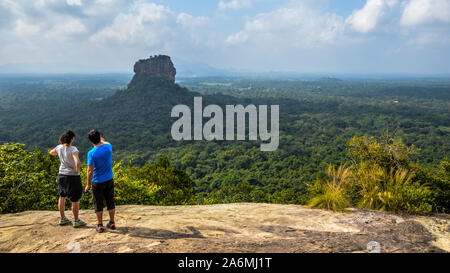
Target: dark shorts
{"x":69,"y":186}
{"x":103,"y":192}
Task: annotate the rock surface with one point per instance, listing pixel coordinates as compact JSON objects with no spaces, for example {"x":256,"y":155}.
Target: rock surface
{"x":243,"y":227}
{"x":158,"y":66}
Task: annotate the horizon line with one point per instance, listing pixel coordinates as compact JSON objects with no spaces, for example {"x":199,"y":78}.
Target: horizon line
{"x":240,"y":74}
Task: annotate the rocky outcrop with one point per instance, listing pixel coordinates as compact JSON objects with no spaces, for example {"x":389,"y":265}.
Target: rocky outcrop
{"x":227,"y":228}
{"x":156,"y":66}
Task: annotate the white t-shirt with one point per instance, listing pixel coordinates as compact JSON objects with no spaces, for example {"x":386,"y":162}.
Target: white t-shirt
{"x":65,"y":154}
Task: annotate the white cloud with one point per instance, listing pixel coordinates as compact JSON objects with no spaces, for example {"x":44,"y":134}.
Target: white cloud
{"x":234,"y":4}
{"x":74,"y":2}
{"x":298,"y":25}
{"x":190,"y":22}
{"x":418,"y":12}
{"x":67,"y":29}
{"x":111,"y":32}
{"x":146,"y":23}
{"x":423,"y":39}
{"x":151,"y":26}
{"x":411,"y":13}
{"x":108,"y":34}
{"x":190,"y":28}
{"x":240,"y":37}
{"x":24,"y":29}
{"x":367,"y":18}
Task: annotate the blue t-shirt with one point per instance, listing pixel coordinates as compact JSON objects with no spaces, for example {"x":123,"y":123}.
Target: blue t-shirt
{"x":101,"y":158}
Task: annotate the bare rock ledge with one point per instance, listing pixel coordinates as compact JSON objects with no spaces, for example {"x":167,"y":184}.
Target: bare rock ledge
{"x":243,"y":227}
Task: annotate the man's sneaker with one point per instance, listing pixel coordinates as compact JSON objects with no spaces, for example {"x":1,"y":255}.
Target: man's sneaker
{"x":100,"y":228}
{"x":79,"y":223}
{"x":63,"y":221}
{"x":111,"y":225}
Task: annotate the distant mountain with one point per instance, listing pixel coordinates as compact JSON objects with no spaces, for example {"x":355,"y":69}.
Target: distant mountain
{"x":329,"y":80}
{"x":149,"y":98}
{"x":143,"y":109}
{"x":186,"y":69}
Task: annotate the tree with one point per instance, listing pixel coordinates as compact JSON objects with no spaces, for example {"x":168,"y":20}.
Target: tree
{"x":27,"y":179}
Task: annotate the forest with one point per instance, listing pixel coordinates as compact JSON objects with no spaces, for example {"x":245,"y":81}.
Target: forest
{"x":371,"y":143}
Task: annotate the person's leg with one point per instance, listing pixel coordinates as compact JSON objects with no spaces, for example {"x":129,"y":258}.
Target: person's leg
{"x":75,"y":210}
{"x":98,"y":197}
{"x":99,"y":217}
{"x":109,"y":197}
{"x":62,"y":206}
{"x":62,"y":191}
{"x":74,"y":193}
{"x":111,"y":215}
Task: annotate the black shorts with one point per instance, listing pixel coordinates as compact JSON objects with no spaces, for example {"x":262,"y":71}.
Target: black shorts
{"x":103,"y":192}
{"x":69,"y":186}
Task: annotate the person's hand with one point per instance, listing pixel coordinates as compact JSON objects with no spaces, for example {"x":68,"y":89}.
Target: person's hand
{"x":87,"y":188}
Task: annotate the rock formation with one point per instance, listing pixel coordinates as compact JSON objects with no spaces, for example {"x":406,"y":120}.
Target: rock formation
{"x":158,"y":66}
{"x":228,"y":228}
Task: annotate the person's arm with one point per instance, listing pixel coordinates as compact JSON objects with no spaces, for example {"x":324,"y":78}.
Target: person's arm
{"x":90,"y":173}
{"x":77,"y":162}
{"x":53,"y":152}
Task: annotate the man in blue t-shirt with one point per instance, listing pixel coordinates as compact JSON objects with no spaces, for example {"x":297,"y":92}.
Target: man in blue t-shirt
{"x":100,"y":175}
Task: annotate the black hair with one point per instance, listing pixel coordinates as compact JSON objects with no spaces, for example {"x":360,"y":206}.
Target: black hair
{"x":94,"y":136}
{"x":66,"y":137}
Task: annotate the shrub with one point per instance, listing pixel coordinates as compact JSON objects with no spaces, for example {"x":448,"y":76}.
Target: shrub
{"x":27,"y":179}
{"x":393,"y":190}
{"x":153,"y":184}
{"x":331,"y":192}
{"x":440,"y":186}
{"x":241,"y":192}
{"x":385,"y":177}
{"x":391,"y":153}
{"x":131,"y":187}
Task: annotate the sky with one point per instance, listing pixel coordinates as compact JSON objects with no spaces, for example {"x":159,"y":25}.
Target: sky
{"x":304,"y":36}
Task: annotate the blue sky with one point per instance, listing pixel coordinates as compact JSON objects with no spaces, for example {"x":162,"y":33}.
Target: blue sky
{"x":307,"y":36}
